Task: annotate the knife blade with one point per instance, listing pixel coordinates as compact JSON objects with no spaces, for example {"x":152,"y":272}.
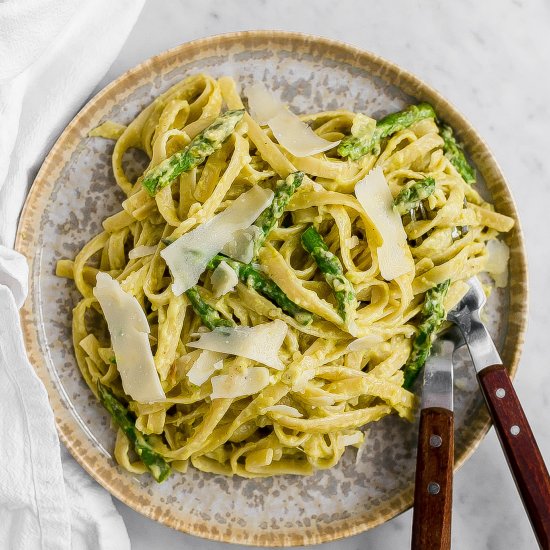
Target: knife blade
{"x":437,"y":388}
{"x":435,"y":453}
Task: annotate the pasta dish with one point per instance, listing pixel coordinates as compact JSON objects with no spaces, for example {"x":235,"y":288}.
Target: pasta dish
{"x":272,"y":282}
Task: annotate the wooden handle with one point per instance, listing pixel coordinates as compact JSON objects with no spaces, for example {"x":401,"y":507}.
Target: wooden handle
{"x":520,"y":448}
{"x":433,"y":493}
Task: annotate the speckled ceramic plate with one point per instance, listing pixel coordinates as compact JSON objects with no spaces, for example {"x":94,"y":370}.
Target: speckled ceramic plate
{"x":74,"y":191}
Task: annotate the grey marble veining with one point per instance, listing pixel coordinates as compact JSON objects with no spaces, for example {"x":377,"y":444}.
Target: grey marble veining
{"x":491,"y":60}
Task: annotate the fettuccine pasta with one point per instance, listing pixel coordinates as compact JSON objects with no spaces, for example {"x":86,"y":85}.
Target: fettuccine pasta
{"x":340,"y":332}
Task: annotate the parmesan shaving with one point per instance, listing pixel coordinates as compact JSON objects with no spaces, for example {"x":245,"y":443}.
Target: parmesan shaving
{"x":129,"y":331}
{"x":352,"y":242}
{"x":241,"y":246}
{"x":352,"y":439}
{"x":238,"y":384}
{"x":141,"y":251}
{"x":205,"y":366}
{"x":366,"y":342}
{"x":362,"y":449}
{"x":293,"y":134}
{"x":224,"y":279}
{"x":498,"y":255}
{"x":189,"y":255}
{"x":262,"y":104}
{"x":260,"y":343}
{"x":304,"y":374}
{"x":394,"y":256}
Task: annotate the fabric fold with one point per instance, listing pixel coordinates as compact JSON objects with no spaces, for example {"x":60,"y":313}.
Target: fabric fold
{"x":54,"y":52}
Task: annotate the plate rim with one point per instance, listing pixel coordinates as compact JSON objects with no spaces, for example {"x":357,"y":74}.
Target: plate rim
{"x":391,"y":73}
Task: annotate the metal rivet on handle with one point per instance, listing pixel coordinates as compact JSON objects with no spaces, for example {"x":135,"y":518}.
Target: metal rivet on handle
{"x":435,"y":441}
{"x":514,"y":430}
{"x":500,"y":393}
{"x":433,"y":488}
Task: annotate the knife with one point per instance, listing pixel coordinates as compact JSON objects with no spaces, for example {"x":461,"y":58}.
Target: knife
{"x":517,"y":439}
{"x":435,"y":454}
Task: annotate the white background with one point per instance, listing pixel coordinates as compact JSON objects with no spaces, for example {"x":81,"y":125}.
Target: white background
{"x":492,"y":60}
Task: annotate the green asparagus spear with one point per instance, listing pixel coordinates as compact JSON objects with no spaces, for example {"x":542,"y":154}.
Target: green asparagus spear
{"x":209,"y":316}
{"x":455,"y":153}
{"x":202,"y":146}
{"x":268,"y":219}
{"x":409,"y":198}
{"x":331,"y":268}
{"x":249,"y":275}
{"x":357,"y":146}
{"x":155,"y":463}
{"x":433,"y":314}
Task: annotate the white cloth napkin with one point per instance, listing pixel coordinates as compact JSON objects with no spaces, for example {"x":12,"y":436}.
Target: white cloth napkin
{"x":53,"y":53}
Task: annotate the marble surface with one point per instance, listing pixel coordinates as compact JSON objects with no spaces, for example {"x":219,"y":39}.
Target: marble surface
{"x":491,"y":60}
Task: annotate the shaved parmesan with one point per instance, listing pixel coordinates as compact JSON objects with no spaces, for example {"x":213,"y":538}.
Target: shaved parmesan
{"x":241,"y":246}
{"x":498,"y":255}
{"x":362,"y":449}
{"x":297,"y":137}
{"x":352,"y":242}
{"x":352,"y":439}
{"x":189,"y":255}
{"x":283,"y":409}
{"x":205,"y":366}
{"x":262,"y":104}
{"x":129,"y":331}
{"x":304,"y":374}
{"x":260,"y":343}
{"x":366,"y":342}
{"x":253,"y":380}
{"x":394,"y":256}
{"x":141,"y":251}
{"x":293,"y":134}
{"x":224,"y":279}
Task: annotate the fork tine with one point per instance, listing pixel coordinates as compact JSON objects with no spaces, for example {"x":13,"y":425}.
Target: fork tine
{"x":472,"y":301}
{"x":475,"y":285}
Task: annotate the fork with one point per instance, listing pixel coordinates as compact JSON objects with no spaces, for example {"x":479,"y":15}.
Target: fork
{"x":515,"y":434}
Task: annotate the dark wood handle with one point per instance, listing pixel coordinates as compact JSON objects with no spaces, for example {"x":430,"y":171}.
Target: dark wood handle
{"x":433,"y":493}
{"x":520,"y":448}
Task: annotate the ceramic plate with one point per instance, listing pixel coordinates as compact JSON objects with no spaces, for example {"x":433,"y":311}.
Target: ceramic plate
{"x":75,"y":190}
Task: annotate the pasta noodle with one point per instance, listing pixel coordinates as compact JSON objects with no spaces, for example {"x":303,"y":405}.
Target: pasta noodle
{"x":310,"y":411}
